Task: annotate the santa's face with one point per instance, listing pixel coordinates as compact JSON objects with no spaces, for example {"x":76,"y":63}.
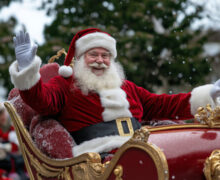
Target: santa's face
{"x":98,"y":59}
{"x":91,"y":75}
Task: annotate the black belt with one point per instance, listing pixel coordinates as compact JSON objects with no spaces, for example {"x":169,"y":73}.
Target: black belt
{"x":120,"y":126}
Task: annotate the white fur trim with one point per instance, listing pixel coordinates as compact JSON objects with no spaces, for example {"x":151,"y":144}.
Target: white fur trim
{"x":115,"y":104}
{"x":12,"y":137}
{"x":27,"y":77}
{"x":94,"y":40}
{"x":200,"y":96}
{"x":65,"y":71}
{"x":101,"y":144}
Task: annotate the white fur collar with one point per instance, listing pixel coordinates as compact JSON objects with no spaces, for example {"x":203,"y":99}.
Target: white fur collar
{"x":115,"y":104}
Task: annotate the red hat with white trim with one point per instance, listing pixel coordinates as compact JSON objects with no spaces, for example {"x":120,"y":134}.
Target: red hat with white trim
{"x":82,"y":42}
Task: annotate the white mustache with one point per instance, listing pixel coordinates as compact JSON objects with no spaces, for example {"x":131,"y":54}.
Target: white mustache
{"x":96,"y":65}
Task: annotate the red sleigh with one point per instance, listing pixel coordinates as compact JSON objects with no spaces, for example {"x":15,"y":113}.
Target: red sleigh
{"x":166,"y":152}
{"x":185,"y":151}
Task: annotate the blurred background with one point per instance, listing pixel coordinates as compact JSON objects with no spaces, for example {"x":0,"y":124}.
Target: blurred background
{"x":165,"y":46}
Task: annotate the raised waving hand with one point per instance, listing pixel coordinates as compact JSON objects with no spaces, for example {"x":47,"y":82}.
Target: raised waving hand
{"x":24,"y":51}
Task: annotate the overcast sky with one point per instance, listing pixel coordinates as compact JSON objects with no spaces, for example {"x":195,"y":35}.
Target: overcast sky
{"x":28,"y":14}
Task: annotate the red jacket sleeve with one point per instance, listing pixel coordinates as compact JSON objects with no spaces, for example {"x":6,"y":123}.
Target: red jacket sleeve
{"x":48,"y":98}
{"x":164,"y":106}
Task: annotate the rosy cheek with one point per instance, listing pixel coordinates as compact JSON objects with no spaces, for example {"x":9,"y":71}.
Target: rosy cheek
{"x":107,"y":62}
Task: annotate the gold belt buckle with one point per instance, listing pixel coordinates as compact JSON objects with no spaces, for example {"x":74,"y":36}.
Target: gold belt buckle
{"x":120,"y":127}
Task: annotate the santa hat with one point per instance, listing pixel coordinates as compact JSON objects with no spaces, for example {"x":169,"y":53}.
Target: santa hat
{"x":82,"y":42}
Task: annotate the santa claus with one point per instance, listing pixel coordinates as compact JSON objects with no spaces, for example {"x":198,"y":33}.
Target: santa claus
{"x":93,"y":100}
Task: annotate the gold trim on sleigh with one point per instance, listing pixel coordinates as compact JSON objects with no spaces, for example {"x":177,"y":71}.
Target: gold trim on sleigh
{"x":205,"y":118}
{"x":87,"y":166}
{"x":212,"y":166}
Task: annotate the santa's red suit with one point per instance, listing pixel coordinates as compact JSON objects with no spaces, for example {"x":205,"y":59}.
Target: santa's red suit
{"x":75,"y":110}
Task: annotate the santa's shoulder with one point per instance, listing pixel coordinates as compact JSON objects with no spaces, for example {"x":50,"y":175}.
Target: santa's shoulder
{"x":60,"y":80}
{"x":128,"y":84}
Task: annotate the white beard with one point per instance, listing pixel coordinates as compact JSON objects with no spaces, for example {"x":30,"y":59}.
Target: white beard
{"x":87,"y":81}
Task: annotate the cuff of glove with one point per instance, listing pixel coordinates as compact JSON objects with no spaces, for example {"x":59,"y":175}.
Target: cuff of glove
{"x":27,"y":77}
{"x":20,"y":68}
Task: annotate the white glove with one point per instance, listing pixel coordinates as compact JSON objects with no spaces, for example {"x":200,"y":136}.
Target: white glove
{"x":24,"y":52}
{"x":215,"y":91}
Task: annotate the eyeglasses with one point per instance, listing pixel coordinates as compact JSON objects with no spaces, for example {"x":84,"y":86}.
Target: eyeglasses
{"x":95,"y":55}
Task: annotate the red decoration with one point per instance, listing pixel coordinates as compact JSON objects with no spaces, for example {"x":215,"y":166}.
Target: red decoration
{"x":52,"y":139}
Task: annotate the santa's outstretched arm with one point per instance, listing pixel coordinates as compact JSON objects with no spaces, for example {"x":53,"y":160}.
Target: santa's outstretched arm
{"x":178,"y":106}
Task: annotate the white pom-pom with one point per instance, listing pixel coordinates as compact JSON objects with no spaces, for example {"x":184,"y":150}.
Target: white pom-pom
{"x":65,"y":71}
